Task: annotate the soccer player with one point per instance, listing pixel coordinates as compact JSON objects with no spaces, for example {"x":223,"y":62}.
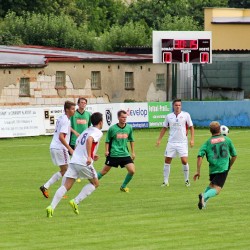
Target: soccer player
{"x":59,"y":146}
{"x":79,"y":122}
{"x":178,"y":123}
{"x":221,"y":155}
{"x":116,"y":150}
{"x":81,"y":165}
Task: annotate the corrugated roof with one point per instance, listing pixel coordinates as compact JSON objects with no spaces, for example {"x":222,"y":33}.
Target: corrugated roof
{"x":39,"y":56}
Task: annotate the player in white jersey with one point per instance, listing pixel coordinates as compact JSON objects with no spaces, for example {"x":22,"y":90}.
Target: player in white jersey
{"x":178,"y":123}
{"x":59,"y":147}
{"x":81,"y":165}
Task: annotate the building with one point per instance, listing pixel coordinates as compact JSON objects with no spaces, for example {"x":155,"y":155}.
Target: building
{"x":37,"y":76}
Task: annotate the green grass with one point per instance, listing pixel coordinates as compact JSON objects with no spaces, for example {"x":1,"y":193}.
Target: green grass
{"x":149,"y":217}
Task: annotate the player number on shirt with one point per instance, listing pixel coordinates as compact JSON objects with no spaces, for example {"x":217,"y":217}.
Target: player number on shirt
{"x":220,"y":151}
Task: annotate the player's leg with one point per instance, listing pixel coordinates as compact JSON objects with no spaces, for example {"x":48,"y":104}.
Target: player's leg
{"x":109,"y":162}
{"x":183,"y":153}
{"x":89,"y":173}
{"x":60,"y":158}
{"x":170,"y":153}
{"x":131,"y":171}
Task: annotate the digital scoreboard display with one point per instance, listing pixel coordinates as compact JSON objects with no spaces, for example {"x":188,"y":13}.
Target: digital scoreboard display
{"x":186,"y":50}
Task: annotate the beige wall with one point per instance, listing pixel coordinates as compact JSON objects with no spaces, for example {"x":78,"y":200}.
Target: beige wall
{"x":78,"y":83}
{"x":228,"y":36}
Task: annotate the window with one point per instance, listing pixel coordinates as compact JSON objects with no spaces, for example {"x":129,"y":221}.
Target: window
{"x":95,"y":80}
{"x":60,"y":79}
{"x":129,"y":80}
{"x":160,"y":82}
{"x":24,"y":87}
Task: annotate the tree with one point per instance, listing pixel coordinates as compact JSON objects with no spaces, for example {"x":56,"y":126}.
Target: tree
{"x":239,"y":4}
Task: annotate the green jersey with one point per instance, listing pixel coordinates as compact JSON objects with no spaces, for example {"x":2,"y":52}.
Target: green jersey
{"x":218,"y":150}
{"x":117,"y":138}
{"x":79,"y":122}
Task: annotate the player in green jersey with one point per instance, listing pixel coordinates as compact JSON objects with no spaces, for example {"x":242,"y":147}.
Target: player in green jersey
{"x":221,"y":155}
{"x":80,"y":120}
{"x":116,"y":149}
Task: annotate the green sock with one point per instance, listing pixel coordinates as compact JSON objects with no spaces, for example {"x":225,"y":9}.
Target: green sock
{"x":209,"y":194}
{"x":127,"y":180}
{"x":99,"y":175}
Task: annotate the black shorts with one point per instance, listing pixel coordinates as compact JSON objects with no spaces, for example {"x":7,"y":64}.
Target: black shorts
{"x":218,"y":179}
{"x":116,"y":161}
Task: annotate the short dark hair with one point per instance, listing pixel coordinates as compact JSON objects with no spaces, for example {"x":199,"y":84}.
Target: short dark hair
{"x":82,"y":98}
{"x":176,"y":100}
{"x":120,"y":112}
{"x":96,"y":118}
{"x":68,"y":105}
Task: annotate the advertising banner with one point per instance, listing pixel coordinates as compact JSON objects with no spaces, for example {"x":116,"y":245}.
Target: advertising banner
{"x":20,"y":122}
{"x":157,"y":112}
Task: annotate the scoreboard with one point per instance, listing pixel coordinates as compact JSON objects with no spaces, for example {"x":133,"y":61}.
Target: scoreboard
{"x":182,"y":47}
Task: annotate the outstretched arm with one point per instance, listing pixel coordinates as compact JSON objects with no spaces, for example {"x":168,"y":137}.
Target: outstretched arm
{"x":162,"y":133}
{"x":199,"y":162}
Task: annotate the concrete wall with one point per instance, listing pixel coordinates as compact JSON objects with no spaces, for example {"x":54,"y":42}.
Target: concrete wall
{"x":78,"y":83}
{"x":229,"y":113}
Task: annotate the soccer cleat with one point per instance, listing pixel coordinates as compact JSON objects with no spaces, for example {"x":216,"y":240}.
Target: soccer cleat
{"x":165,"y":184}
{"x":187,"y":183}
{"x":74,"y":206}
{"x":50,"y":211}
{"x":201,"y":203}
{"x":44,"y":191}
{"x":126,"y":190}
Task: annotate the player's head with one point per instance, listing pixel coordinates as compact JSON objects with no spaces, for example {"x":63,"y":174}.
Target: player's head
{"x":69,"y":105}
{"x":122,"y":117}
{"x":96,"y":118}
{"x":214,"y":127}
{"x":176,"y":105}
{"x":82,"y":99}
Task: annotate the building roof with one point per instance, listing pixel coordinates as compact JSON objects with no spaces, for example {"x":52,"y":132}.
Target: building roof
{"x":38,"y":56}
{"x":231,"y":20}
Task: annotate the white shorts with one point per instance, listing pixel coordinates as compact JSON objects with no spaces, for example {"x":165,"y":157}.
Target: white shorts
{"x":172,"y":149}
{"x":76,"y":171}
{"x":59,"y":156}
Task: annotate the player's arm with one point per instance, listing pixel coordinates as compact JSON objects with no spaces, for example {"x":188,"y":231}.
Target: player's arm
{"x":232,"y":160}
{"x":198,"y":171}
{"x":89,"y":143}
{"x":106,"y":148}
{"x":162,"y":133}
{"x":192,"y":136}
{"x":132,"y":145}
{"x":74,"y":132}
{"x":64,"y":142}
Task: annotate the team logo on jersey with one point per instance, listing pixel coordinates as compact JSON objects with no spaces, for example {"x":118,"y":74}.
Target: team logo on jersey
{"x":108,"y":115}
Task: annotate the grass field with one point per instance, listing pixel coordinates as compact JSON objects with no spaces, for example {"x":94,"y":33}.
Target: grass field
{"x":149,"y":217}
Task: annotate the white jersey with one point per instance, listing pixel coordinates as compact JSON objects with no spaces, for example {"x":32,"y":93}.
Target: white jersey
{"x":178,"y":126}
{"x":80,"y":154}
{"x":62,"y":126}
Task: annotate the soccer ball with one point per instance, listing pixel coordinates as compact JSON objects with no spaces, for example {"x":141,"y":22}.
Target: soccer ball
{"x":224,"y":130}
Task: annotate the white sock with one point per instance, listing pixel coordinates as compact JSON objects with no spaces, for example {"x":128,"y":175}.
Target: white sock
{"x":186,"y":172}
{"x":55,"y":177}
{"x":166,"y":172}
{"x":86,"y":190}
{"x":61,"y":191}
{"x":63,"y":180}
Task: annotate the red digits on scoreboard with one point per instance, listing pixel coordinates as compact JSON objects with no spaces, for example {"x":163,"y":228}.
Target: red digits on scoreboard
{"x":193,"y":44}
{"x":204,"y":57}
{"x":167,"y":57}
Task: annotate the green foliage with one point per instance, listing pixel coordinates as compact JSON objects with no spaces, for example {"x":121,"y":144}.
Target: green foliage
{"x":98,"y":24}
{"x":46,"y":30}
{"x":147,"y":218}
{"x":131,"y":34}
